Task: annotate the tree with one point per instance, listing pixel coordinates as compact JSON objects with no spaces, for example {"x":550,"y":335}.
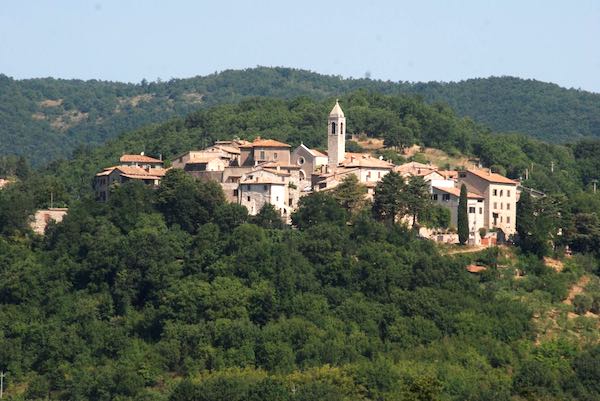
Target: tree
{"x":387,"y":201}
{"x":268,"y":217}
{"x":317,"y":208}
{"x":463,"y":216}
{"x":416,"y":197}
{"x":187,"y":202}
{"x":350,"y":194}
{"x":538,"y":221}
{"x":22,"y":170}
{"x":399,"y":138}
{"x":435,"y":216}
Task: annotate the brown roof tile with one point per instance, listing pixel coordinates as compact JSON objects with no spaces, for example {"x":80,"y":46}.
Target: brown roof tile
{"x":492,"y":177}
{"x":138,"y":159}
{"x":265,"y":143}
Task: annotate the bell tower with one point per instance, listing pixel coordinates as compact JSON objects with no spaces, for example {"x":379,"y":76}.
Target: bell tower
{"x":336,"y":136}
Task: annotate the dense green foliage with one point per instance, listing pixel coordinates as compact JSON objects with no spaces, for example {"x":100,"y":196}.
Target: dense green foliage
{"x":46,"y":119}
{"x":173,"y":294}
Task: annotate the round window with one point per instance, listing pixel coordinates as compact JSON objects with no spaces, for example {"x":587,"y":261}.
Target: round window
{"x":301,"y":160}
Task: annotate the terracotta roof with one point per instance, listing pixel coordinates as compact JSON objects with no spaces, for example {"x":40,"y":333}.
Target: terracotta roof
{"x":317,"y":153}
{"x":229,"y":149}
{"x":492,"y":177}
{"x":138,"y":159}
{"x":279,"y":164}
{"x":419,"y":165}
{"x":456,"y":192}
{"x":265,"y":143}
{"x":142,"y":177}
{"x":419,"y":173}
{"x":106,"y":171}
{"x":365,"y":160}
{"x":263,"y":181}
{"x":475,"y":268}
{"x":277,"y":172}
{"x":134,"y":172}
{"x":415,"y":168}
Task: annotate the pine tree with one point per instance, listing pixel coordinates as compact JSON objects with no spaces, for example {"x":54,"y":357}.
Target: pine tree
{"x":463,"y":217}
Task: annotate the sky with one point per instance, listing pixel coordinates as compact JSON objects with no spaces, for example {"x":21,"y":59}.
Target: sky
{"x":425,"y":40}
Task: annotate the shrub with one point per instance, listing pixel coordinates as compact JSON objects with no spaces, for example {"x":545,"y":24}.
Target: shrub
{"x":582,"y":303}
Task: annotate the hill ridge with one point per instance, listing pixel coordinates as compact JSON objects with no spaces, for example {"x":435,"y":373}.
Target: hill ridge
{"x":94,"y":111}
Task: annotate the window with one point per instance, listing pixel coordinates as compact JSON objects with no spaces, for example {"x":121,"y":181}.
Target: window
{"x":435,"y":197}
{"x":248,"y":198}
{"x":495,"y":192}
{"x":501,"y":191}
{"x":333,"y":128}
{"x":235,"y":193}
{"x":501,"y":206}
{"x":507,"y":219}
{"x":507,"y":192}
{"x":501,"y":219}
{"x":277,"y":199}
{"x":264,"y":187}
{"x":446,"y":197}
{"x":379,"y":174}
{"x":262,"y":155}
{"x":301,"y":160}
{"x":341,"y":128}
{"x":275,"y":155}
{"x":472,"y":210}
{"x":508,"y":206}
{"x":480,"y":210}
{"x":495,"y":205}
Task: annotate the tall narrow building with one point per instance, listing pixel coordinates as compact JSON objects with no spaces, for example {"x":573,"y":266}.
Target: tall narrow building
{"x":336,"y":136}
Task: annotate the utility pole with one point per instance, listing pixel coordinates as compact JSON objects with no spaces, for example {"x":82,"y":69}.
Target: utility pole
{"x":594,"y":182}
{"x":2,"y":376}
{"x":552,"y":166}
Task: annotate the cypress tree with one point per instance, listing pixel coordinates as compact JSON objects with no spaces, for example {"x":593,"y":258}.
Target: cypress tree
{"x":463,"y":217}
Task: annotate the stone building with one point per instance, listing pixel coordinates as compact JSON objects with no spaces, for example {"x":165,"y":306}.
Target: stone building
{"x":140,"y":168}
{"x":309,"y":161}
{"x":264,"y":150}
{"x":275,"y":185}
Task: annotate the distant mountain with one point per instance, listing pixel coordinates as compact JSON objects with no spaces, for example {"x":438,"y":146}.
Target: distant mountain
{"x":45,"y":119}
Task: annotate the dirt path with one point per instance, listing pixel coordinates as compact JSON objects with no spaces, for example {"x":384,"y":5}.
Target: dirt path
{"x":469,"y":249}
{"x":577,"y":289}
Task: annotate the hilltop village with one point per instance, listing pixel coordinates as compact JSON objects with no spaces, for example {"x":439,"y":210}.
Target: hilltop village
{"x":268,"y":171}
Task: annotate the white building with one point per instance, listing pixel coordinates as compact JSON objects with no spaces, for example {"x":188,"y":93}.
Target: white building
{"x":500,"y":198}
{"x":449,"y":197}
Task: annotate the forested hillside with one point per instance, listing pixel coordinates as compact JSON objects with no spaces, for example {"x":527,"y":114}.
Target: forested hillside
{"x":177,"y":295}
{"x":46,"y":119}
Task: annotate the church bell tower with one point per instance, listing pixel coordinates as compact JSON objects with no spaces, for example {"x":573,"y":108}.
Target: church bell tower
{"x":336,"y":136}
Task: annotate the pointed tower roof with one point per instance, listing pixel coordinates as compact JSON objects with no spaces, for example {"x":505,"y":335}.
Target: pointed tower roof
{"x":336,"y":111}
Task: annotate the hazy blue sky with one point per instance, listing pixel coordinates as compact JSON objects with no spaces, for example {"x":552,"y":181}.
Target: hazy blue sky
{"x":556,"y":41}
